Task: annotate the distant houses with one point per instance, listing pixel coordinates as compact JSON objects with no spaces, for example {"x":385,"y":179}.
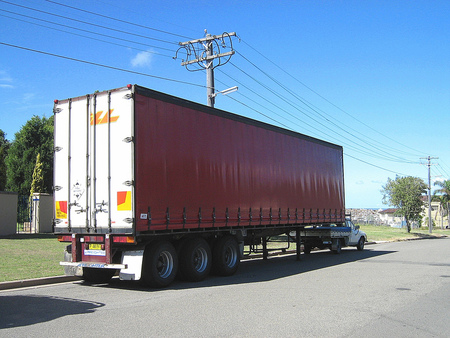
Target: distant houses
{"x":387,"y":216}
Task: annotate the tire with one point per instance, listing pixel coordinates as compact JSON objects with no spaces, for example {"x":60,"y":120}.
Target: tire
{"x":226,"y":257}
{"x":160,"y":264}
{"x":98,"y":276}
{"x":338,"y":248}
{"x":195,"y":259}
{"x":360,"y":245}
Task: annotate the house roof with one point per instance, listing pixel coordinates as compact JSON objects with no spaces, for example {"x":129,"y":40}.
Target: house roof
{"x":388,"y":211}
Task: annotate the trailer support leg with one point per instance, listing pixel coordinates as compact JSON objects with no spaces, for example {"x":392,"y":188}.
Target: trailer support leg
{"x":298,"y":244}
{"x":265,"y":252}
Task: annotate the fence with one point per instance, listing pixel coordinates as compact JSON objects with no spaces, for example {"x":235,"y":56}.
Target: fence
{"x":24,"y":212}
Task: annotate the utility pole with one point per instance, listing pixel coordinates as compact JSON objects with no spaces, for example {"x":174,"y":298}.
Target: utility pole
{"x":206,"y":53}
{"x":430,"y":221}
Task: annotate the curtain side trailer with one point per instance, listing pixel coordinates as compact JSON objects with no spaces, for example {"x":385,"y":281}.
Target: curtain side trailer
{"x":151,"y":186}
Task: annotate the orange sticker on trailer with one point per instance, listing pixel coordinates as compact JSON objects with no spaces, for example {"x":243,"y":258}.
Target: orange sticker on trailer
{"x":61,"y":209}
{"x":124,"y":200}
{"x":101,"y":117}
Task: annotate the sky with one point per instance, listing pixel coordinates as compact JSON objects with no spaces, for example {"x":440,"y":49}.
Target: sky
{"x":372,"y":76}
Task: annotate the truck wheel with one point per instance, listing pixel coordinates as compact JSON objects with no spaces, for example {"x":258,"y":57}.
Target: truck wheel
{"x":97,"y":276}
{"x":195,"y":259}
{"x":338,"y":247}
{"x":160,"y":264}
{"x":360,"y":245}
{"x":226,"y":256}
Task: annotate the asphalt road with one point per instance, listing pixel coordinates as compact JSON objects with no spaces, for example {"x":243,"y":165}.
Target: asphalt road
{"x":397,"y":289}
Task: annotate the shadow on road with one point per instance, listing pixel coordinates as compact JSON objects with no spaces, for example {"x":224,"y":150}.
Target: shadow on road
{"x":258,"y":270}
{"x":18,"y":311}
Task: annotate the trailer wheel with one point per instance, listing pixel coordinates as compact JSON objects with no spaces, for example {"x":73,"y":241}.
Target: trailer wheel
{"x":360,"y":245}
{"x":226,"y":256}
{"x":98,"y":276}
{"x":160,"y":264}
{"x":195,"y":259}
{"x":338,"y":247}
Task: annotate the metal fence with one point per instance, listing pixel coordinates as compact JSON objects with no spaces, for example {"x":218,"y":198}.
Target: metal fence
{"x":24,"y":212}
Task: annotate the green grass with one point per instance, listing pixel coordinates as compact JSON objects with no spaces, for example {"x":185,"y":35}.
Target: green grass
{"x":385,"y":233}
{"x":30,"y":256}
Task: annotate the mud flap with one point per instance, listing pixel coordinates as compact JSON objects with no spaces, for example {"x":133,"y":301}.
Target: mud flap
{"x":71,"y":270}
{"x":133,"y":261}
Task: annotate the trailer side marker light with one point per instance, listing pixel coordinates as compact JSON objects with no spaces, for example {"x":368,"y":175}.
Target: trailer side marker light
{"x":63,"y":238}
{"x":123,"y":239}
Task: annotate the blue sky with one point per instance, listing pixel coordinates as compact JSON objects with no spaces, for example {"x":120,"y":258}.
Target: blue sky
{"x":372,"y":76}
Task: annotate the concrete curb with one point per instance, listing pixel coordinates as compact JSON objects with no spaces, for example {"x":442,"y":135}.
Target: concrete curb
{"x":36,"y":282}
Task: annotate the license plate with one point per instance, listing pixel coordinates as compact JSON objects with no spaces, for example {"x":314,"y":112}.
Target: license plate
{"x":95,"y":246}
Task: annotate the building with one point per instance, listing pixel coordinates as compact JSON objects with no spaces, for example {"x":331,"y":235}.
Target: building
{"x":388,"y":217}
{"x":439,"y":214}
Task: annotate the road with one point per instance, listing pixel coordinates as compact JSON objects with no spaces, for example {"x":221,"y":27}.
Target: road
{"x":399,"y":289}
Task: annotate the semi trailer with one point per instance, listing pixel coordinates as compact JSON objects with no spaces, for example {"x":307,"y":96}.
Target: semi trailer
{"x":150,"y":186}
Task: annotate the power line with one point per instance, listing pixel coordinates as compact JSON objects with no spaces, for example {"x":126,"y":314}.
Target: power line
{"x":328,"y":118}
{"x":325,"y":99}
{"x":119,"y":20}
{"x":374,"y":165}
{"x":380,"y":155}
{"x":88,"y":37}
{"x":100,"y":65}
{"x":91,"y":24}
{"x":287,"y":127}
{"x":84,"y":30}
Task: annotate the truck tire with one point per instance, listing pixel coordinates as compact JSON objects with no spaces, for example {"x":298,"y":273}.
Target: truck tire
{"x":338,"y":248}
{"x":360,"y":245}
{"x":195,"y":259}
{"x":226,"y":257}
{"x":98,"y":276}
{"x":160,"y":264}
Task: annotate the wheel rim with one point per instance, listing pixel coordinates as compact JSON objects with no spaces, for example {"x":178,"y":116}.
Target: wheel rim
{"x":230,"y":256}
{"x":200,"y":259}
{"x":164,"y":264}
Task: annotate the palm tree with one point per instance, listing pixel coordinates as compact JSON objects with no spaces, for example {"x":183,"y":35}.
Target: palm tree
{"x":443,"y":196}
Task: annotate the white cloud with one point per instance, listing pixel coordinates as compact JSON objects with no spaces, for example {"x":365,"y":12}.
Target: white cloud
{"x":5,"y":80}
{"x":142,"y":59}
{"x":27,"y":97}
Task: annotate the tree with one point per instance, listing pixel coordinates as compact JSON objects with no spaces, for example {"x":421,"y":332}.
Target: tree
{"x":4,"y":145}
{"x":405,"y":194}
{"x":443,"y":196}
{"x":35,"y":137}
{"x":37,"y":184}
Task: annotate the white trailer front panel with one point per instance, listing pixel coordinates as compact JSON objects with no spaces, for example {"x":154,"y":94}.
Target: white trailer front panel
{"x":94,"y":172}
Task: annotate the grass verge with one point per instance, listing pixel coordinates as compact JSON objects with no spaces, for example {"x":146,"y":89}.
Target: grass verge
{"x":385,"y":233}
{"x":30,"y":256}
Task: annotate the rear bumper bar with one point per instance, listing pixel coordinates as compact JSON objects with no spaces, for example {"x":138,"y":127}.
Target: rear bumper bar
{"x":94,"y":265}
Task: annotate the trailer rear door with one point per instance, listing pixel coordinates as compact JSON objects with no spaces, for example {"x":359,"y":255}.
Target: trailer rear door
{"x":94,"y":173}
